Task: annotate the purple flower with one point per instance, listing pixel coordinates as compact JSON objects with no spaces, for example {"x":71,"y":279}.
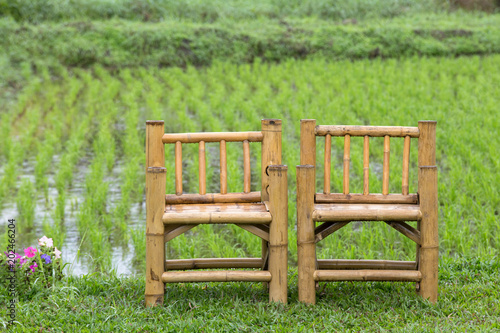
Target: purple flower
{"x":46,"y":257}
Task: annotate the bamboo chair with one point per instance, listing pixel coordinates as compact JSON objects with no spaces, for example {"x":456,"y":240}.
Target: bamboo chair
{"x":335,"y":210}
{"x":263,"y":213}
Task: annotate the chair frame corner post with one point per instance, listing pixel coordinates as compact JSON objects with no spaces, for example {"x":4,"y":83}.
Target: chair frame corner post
{"x":306,"y":245}
{"x":278,"y":233}
{"x":271,"y":155}
{"x":428,"y":253}
{"x":155,"y":207}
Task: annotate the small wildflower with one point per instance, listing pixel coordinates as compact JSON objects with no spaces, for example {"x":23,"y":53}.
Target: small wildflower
{"x":57,"y":253}
{"x":46,"y":257}
{"x":44,"y":241}
{"x":32,"y":267}
{"x":30,"y":252}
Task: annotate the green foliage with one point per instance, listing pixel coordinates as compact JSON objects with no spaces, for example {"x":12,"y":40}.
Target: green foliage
{"x":26,"y":203}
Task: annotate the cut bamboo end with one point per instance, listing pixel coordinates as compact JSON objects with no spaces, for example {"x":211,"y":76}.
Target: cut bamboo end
{"x":270,"y":152}
{"x":209,"y":263}
{"x":216,"y":276}
{"x":243,"y":217}
{"x":202,"y":168}
{"x":339,"y":264}
{"x":223,"y":167}
{"x":178,"y":168}
{"x":367,"y":275}
{"x":347,"y":159}
{"x":246,"y":167}
{"x":328,"y":162}
{"x":385,"y":175}
{"x":367,"y":212}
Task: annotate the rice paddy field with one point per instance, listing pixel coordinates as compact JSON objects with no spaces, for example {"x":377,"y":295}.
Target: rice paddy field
{"x":72,"y":150}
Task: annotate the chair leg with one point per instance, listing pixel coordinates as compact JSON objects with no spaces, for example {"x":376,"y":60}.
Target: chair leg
{"x":278,"y":233}
{"x":429,"y":250}
{"x":306,"y":246}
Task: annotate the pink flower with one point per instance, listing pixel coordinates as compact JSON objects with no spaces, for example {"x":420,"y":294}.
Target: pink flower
{"x":32,"y":267}
{"x":57,"y":253}
{"x":44,"y":241}
{"x":22,"y":260}
{"x":30,"y":252}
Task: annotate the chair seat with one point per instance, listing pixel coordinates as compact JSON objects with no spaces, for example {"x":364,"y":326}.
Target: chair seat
{"x":365,"y":212}
{"x":238,"y":213}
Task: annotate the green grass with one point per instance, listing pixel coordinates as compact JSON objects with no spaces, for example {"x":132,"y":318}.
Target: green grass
{"x":469,"y":301}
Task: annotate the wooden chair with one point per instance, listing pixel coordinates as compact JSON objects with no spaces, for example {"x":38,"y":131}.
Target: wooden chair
{"x":263,"y":213}
{"x":335,"y":210}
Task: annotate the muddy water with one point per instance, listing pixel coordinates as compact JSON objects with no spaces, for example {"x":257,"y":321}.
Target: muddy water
{"x":73,"y":253}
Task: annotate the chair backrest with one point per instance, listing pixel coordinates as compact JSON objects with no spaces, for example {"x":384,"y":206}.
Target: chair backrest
{"x":426,"y":156}
{"x":269,"y":137}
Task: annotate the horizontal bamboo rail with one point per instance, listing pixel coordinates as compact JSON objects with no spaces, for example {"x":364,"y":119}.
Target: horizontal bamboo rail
{"x":216,"y":276}
{"x":243,"y":217}
{"x":346,"y":212}
{"x":373,"y":131}
{"x":208,"y":263}
{"x":367,"y":275}
{"x":334,"y":264}
{"x":358,"y":198}
{"x":212,"y":137}
{"x":172,"y":199}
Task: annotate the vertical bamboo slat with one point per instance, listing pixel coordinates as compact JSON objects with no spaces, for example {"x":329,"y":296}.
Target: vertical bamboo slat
{"x":278,"y":233}
{"x":406,"y":166}
{"x":246,"y":166}
{"x":155,"y":205}
{"x":328,"y":163}
{"x":223,"y":167}
{"x":202,"y":168}
{"x":427,"y":190}
{"x":347,"y":159}
{"x":385,"y":175}
{"x":178,"y":168}
{"x":366,"y":165}
{"x":306,"y":246}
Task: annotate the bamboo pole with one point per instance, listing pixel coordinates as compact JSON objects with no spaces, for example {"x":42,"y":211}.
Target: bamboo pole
{"x":308,"y":142}
{"x":202,"y":168}
{"x":208,"y":263}
{"x":406,"y":166}
{"x":306,"y":247}
{"x":246,"y":167}
{"x":213,"y":198}
{"x":366,"y":212}
{"x":198,"y":217}
{"x":328,"y":163}
{"x":177,"y":231}
{"x":366,"y":264}
{"x":373,"y":198}
{"x":406,"y":230}
{"x":367,"y":275}
{"x":178,"y":168}
{"x":223,"y":167}
{"x":427,"y":189}
{"x":366,"y":165}
{"x":373,"y":131}
{"x":385,"y":175}
{"x":259,"y":230}
{"x":278,"y":233}
{"x":326,"y":229}
{"x":212,"y":137}
{"x":271,"y":155}
{"x":217,"y":276}
{"x":155,"y":205}
{"x":347,"y":159}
